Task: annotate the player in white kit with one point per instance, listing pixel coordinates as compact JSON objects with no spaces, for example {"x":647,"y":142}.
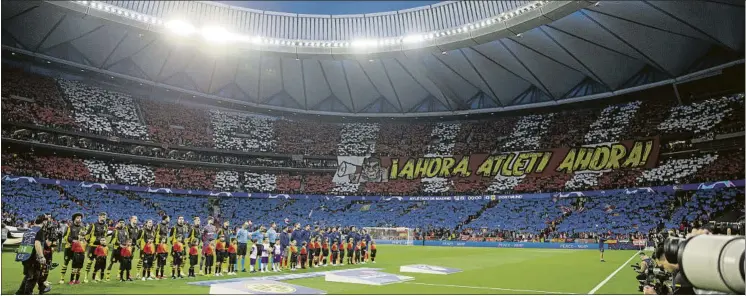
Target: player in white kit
{"x":252,"y":257}
{"x":277,"y":257}
{"x":265,"y":256}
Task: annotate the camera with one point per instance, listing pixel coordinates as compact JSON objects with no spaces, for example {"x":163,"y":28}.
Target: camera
{"x":722,"y":228}
{"x":710,"y":262}
{"x":653,"y":276}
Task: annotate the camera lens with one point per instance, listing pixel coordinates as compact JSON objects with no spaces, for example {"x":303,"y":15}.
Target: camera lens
{"x":714,"y":262}
{"x":671,"y":248}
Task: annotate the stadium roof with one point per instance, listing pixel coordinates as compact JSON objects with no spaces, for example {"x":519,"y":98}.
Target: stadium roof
{"x":595,"y":50}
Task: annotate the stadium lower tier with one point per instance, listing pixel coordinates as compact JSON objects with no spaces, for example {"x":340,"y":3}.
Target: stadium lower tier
{"x":623,"y":215}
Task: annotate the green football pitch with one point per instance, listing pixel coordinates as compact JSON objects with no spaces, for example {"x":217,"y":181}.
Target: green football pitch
{"x":485,"y":271}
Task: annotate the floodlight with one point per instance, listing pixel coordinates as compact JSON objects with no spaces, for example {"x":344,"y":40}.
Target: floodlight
{"x":413,"y":38}
{"x":364,"y":43}
{"x":180,"y":28}
{"x":217,"y":34}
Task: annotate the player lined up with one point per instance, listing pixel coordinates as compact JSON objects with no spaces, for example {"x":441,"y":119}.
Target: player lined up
{"x":290,"y":249}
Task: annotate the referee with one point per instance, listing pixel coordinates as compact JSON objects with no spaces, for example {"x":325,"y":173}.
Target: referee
{"x":242,"y":236}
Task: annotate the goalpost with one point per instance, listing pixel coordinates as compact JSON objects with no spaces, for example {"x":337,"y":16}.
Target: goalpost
{"x":391,"y":235}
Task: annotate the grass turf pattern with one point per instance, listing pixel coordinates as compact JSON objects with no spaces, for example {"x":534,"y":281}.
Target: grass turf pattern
{"x":485,"y":271}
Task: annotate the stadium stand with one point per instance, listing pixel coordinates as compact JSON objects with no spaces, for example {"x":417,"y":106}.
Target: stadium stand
{"x":306,"y":138}
{"x":34,"y":99}
{"x":103,"y":112}
{"x":95,"y":111}
{"x":403,"y":139}
{"x":242,"y":132}
{"x":699,"y":117}
{"x":176,"y":124}
{"x":482,"y":136}
{"x":611,"y":123}
{"x":528,"y":132}
{"x":357,"y":139}
{"x":568,"y":128}
{"x":674,"y":170}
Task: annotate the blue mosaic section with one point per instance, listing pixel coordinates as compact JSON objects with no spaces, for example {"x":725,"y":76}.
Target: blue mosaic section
{"x":460,"y":198}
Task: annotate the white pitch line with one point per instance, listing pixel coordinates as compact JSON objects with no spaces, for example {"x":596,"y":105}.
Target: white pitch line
{"x":488,"y":288}
{"x":602,"y":283}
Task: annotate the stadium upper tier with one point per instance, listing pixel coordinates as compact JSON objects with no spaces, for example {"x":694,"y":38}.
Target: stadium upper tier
{"x":116,"y":138}
{"x":451,"y":58}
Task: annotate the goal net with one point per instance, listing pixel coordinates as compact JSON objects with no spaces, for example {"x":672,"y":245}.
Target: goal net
{"x":395,"y":236}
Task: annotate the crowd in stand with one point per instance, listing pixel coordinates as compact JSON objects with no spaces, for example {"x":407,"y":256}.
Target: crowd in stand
{"x":611,"y":123}
{"x":33,"y":99}
{"x":242,"y":132}
{"x":159,"y":152}
{"x":103,"y":112}
{"x":176,"y":124}
{"x":482,"y":136}
{"x":677,"y":169}
{"x":398,"y":139}
{"x":357,"y":139}
{"x":568,"y":127}
{"x":528,"y":133}
{"x":315,"y":138}
{"x":166,"y":124}
{"x":621,"y":216}
{"x":699,"y":117}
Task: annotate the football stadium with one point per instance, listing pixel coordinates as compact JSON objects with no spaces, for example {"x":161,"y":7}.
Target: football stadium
{"x":392,"y":147}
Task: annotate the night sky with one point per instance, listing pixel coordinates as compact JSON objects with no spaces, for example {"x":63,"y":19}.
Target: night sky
{"x":329,"y":7}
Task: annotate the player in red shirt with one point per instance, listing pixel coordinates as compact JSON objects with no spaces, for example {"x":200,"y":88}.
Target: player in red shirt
{"x":335,"y":252}
{"x":100,"y":254}
{"x":126,"y":265}
{"x":317,"y":253}
{"x":162,"y":255}
{"x":193,"y":258}
{"x":349,"y":251}
{"x":220,"y":252}
{"x":325,"y":251}
{"x":373,"y":251}
{"x":209,"y":253}
{"x":177,"y":253}
{"x":78,"y":248}
{"x":148,"y":251}
{"x":356,"y":259}
{"x":303,"y":256}
{"x":311,"y":252}
{"x":341,"y":258}
{"x":363,"y":253}
{"x":232,"y":249}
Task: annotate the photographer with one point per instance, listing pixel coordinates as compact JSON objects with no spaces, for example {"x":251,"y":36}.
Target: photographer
{"x":646,"y":264}
{"x":653,"y":280}
{"x":679,"y":284}
{"x":31,"y":253}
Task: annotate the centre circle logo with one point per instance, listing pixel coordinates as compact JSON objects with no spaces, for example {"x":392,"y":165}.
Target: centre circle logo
{"x":270,"y":288}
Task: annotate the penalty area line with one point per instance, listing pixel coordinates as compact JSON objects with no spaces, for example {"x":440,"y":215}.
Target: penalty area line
{"x":602,"y":283}
{"x":487,"y":288}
